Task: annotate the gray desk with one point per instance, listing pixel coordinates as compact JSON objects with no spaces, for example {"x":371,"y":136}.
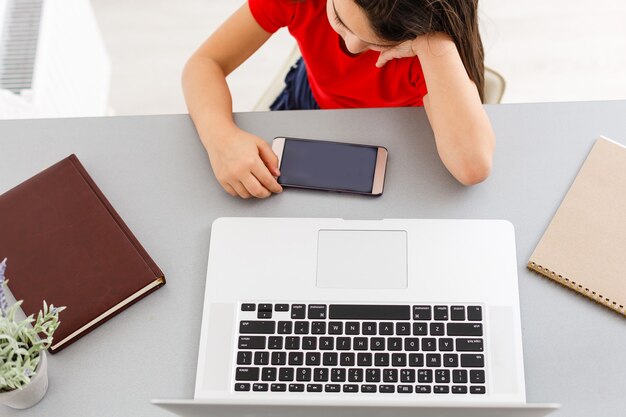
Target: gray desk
{"x":155,"y":172}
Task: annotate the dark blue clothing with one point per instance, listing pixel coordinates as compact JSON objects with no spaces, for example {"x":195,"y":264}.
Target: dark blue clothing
{"x":297,"y":93}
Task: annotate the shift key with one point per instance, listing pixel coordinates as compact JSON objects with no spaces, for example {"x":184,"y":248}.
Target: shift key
{"x":257,"y":327}
{"x":464,"y":329}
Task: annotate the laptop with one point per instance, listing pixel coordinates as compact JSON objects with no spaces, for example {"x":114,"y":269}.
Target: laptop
{"x":339,"y":317}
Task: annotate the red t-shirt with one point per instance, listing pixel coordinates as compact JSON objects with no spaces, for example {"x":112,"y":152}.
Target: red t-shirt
{"x":337,"y":79}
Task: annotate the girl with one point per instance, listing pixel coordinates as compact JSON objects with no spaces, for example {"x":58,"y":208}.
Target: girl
{"x":356,"y":53}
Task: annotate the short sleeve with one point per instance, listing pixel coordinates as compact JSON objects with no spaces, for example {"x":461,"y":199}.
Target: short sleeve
{"x":272,"y":15}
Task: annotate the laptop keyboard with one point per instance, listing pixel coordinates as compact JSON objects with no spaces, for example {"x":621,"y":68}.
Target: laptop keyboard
{"x":365,"y":348}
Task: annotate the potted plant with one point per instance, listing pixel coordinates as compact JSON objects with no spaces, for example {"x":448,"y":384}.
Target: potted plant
{"x":23,"y":363}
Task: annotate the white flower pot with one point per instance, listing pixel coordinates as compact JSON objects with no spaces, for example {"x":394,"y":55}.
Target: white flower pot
{"x":33,"y":392}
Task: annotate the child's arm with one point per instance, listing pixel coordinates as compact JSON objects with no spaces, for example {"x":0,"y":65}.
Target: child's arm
{"x":463,"y":133}
{"x":243,"y":163}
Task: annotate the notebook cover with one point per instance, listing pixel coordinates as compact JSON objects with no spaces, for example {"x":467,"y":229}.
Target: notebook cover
{"x":66,"y":245}
{"x":584,"y":247}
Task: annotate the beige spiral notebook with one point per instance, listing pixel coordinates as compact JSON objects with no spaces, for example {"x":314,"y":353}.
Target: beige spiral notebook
{"x":584,"y":247}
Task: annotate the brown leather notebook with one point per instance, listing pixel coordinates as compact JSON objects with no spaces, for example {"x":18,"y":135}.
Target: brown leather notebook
{"x":66,"y":245}
{"x":584,"y":247}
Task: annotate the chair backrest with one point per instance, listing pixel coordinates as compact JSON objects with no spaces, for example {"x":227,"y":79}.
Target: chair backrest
{"x":494,"y":84}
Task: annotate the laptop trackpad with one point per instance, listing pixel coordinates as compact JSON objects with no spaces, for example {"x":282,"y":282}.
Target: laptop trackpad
{"x":362,"y":259}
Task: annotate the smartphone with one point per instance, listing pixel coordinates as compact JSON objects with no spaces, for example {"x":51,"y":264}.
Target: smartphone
{"x":331,"y":166}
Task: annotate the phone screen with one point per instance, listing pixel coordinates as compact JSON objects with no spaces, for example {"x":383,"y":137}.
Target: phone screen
{"x":328,"y":165}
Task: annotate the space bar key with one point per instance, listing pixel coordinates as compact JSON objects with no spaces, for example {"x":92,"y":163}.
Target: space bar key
{"x":369,"y":312}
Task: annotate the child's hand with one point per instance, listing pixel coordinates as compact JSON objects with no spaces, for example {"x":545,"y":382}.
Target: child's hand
{"x":245,"y":165}
{"x":434,"y":43}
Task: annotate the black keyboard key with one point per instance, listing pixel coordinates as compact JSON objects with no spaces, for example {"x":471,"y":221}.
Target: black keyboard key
{"x":318,"y":327}
{"x":364,"y":359}
{"x":313,"y":358}
{"x":314,"y":387}
{"x":394,"y":344}
{"x":457,"y":313}
{"x":377,"y":343}
{"x":335,"y":327}
{"x":369,"y":312}
{"x":437,"y":329}
{"x":261,"y":358}
{"x":244,"y":358}
{"x":292,"y":342}
{"x":369,"y":328}
{"x":441,"y":312}
{"x":459,"y":376}
{"x":353,"y":328}
{"x":407,"y":375}
{"x":403,"y":329}
{"x":398,"y":359}
{"x":429,"y":344}
{"x":420,"y":329}
{"x":387,"y":389}
{"x":368,"y":388}
{"x":281,"y":307}
{"x":320,"y":374}
{"x":422,"y":313}
{"x":327,"y":343}
{"x":405,"y":389}
{"x":381,"y":359}
{"x":350,"y":388}
{"x":298,"y":311}
{"x":309,"y":343}
{"x":248,"y":307}
{"x":390,"y":375}
{"x":442,"y":376}
{"x":275,"y":342}
{"x":355,"y":375}
{"x":459,"y":389}
{"x":296,"y":387}
{"x":251,"y":342}
{"x":268,"y":374}
{"x":464,"y":329}
{"x":477,"y":389}
{"x":285,"y":374}
{"x":425,"y":375}
{"x":338,"y":375}
{"x":477,"y":376}
{"x":247,"y":374}
{"x":472,"y":361}
{"x":317,"y":311}
{"x":278,"y":387}
{"x":441,"y":389}
{"x":279,"y":358}
{"x":422,"y":389}
{"x":296,"y":358}
{"x":260,"y":387}
{"x":264,"y":315}
{"x":360,"y":343}
{"x":474,"y":313}
{"x":285,"y":327}
{"x":433,"y":360}
{"x":332,"y":388}
{"x":265,"y":307}
{"x":446,"y":344}
{"x":242,"y":387}
{"x":385,"y":328}
{"x":344,"y":343}
{"x":301,"y":327}
{"x":257,"y":327}
{"x":411,"y":344}
{"x":469,"y":345}
{"x":347,"y":359}
{"x":331,"y":359}
{"x":451,"y":360}
{"x":372,"y":375}
{"x":416,"y":360}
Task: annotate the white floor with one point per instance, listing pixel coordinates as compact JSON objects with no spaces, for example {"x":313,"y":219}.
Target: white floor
{"x":557,"y":50}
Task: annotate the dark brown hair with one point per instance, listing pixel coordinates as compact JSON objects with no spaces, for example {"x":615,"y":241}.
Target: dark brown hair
{"x":401,"y":20}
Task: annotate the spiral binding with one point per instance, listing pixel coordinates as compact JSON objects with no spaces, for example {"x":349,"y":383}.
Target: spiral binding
{"x":599,"y":298}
